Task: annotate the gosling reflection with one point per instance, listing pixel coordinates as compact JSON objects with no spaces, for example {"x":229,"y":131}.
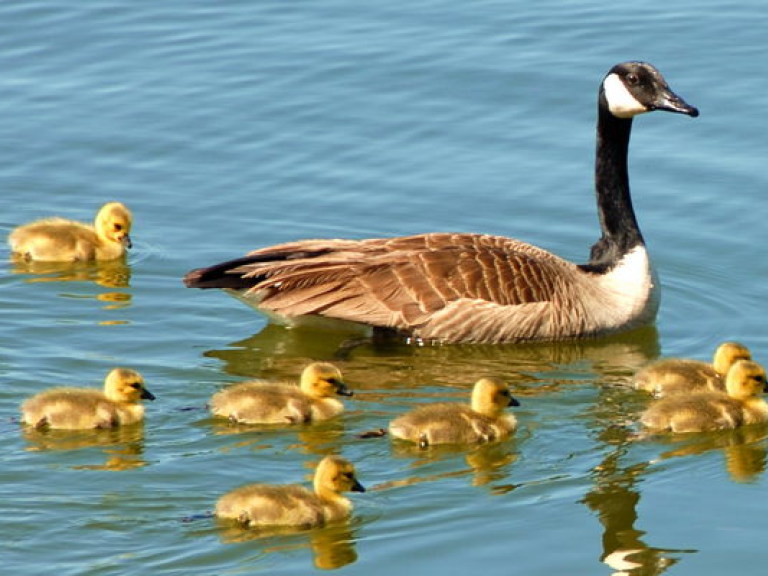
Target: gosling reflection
{"x":743,"y":449}
{"x":332,"y":546}
{"x":122,"y":446}
{"x":318,"y":439}
{"x":110,"y":274}
{"x":486,"y":464}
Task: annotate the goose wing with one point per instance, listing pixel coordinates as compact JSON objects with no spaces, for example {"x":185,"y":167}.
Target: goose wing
{"x":417,"y":283}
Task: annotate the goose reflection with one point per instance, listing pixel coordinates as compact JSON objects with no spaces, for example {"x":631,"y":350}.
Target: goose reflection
{"x":615,"y":495}
{"x":276,"y":350}
{"x":122,"y":446}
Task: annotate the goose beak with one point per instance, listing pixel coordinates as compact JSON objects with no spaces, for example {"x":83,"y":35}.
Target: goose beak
{"x":671,"y":102}
{"x":146,"y":394}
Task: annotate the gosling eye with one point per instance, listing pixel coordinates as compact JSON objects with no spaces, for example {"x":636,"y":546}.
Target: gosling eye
{"x":136,"y":385}
{"x":118,"y":227}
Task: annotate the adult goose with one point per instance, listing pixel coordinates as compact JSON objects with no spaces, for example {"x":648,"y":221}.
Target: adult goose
{"x":463,"y":287}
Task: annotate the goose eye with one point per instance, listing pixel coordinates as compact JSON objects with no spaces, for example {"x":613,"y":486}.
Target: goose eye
{"x":632,"y":78}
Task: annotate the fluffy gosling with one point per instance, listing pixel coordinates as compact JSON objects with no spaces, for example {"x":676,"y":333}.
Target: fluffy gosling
{"x":265,"y":403}
{"x":294,"y":505}
{"x":682,"y":375}
{"x":702,"y":411}
{"x":60,"y":240}
{"x":83,"y":408}
{"x":483,"y":420}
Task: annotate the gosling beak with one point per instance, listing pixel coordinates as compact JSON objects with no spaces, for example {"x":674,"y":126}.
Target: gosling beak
{"x":357,"y":487}
{"x":671,"y":102}
{"x":513,"y":402}
{"x":126,"y":240}
{"x":342,"y":390}
{"x":146,"y":394}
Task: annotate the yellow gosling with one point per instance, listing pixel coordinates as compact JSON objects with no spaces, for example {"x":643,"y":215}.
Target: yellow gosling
{"x":294,"y":505}
{"x":682,"y":375}
{"x":60,"y":240}
{"x":702,"y":411}
{"x":265,"y":403}
{"x":82,"y":408}
{"x":483,"y":420}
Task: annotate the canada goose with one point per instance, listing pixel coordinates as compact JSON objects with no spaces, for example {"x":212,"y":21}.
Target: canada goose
{"x":60,"y":240}
{"x":700,"y":411}
{"x":81,"y":408}
{"x":483,"y":420}
{"x":472,"y":287}
{"x":682,"y":375}
{"x":294,"y":505}
{"x":265,"y":403}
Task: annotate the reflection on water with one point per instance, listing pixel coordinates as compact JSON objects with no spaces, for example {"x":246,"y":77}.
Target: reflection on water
{"x":281,"y":352}
{"x":614,"y":498}
{"x":332,"y":546}
{"x":743,"y":449}
{"x":122,"y":446}
{"x":107,"y":274}
{"x":486,"y":463}
{"x":317,"y":438}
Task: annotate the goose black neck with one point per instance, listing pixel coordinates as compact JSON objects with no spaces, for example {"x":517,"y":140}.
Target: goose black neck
{"x":614,"y":204}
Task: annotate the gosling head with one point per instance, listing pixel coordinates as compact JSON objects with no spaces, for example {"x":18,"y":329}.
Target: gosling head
{"x":336,"y":474}
{"x":113,"y":223}
{"x":322,"y":380}
{"x":727,"y":354}
{"x":124,"y":385}
{"x":491,"y":396}
{"x":746,"y":379}
{"x":632,"y":88}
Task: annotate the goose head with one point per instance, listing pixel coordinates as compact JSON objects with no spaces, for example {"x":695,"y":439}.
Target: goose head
{"x":632,"y":88}
{"x":746,"y":379}
{"x":126,"y":386}
{"x":727,"y":354}
{"x":322,"y":380}
{"x":491,"y":396}
{"x":113,"y":223}
{"x":334,"y":475}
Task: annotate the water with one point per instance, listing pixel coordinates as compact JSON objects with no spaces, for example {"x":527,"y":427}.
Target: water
{"x":229,"y":126}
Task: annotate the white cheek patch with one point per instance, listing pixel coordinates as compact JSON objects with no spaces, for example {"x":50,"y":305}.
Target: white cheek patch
{"x":620,"y":102}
